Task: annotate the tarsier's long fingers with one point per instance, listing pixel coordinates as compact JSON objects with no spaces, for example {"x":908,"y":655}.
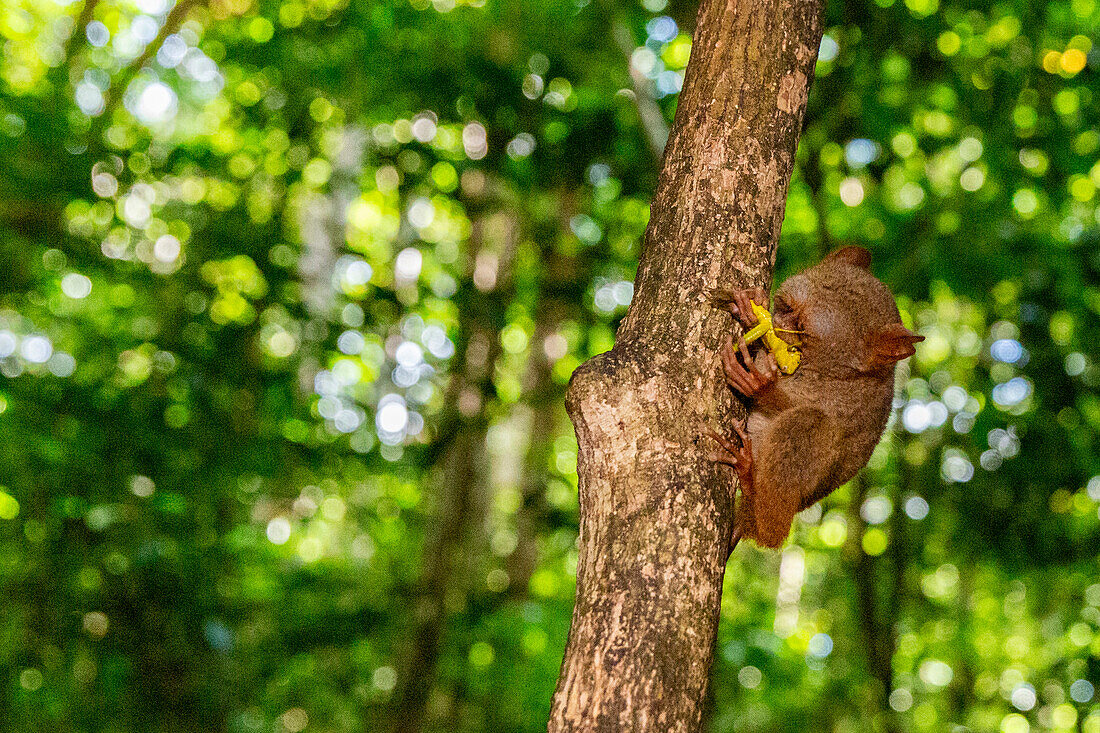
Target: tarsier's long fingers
{"x":736,"y":376}
{"x":738,"y":303}
{"x":743,"y":300}
{"x":728,"y":453}
{"x":741,"y":372}
{"x":725,"y":442}
{"x":759,"y":378}
{"x":743,"y":434}
{"x":724,"y":457}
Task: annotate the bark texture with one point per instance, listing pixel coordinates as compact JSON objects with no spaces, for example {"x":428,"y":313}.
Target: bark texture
{"x":655,"y":512}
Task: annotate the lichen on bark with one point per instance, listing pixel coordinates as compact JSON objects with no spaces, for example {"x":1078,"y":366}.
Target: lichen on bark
{"x":655,"y":512}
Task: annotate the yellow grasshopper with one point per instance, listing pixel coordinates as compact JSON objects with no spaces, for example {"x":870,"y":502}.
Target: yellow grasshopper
{"x":787,"y":356}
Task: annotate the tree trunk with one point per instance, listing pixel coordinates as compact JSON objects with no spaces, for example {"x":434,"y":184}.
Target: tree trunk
{"x":869,"y":578}
{"x":462,"y":459}
{"x":655,"y":512}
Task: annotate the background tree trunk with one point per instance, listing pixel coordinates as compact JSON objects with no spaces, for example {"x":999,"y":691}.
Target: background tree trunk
{"x":655,"y":512}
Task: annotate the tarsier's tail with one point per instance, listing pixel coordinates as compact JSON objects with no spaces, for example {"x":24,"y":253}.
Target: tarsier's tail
{"x":735,"y":537}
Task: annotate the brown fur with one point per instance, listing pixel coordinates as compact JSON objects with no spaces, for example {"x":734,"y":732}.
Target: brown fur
{"x":812,"y":431}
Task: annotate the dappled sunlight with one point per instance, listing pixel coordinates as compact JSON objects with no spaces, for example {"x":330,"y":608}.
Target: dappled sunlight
{"x":291,"y":292}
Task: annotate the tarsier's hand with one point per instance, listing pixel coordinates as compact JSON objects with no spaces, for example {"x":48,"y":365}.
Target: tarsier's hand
{"x":739,"y":304}
{"x":747,"y":378}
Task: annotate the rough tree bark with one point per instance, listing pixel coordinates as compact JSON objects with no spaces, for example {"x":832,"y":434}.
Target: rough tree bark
{"x":655,"y":512}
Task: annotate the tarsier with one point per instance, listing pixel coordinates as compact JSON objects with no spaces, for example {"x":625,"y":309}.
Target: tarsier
{"x":814,"y":423}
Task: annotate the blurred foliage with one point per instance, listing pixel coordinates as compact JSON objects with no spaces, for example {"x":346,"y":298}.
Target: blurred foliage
{"x":290,"y":291}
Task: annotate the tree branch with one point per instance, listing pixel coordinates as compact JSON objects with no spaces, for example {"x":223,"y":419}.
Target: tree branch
{"x":649,"y":112}
{"x":80,"y":30}
{"x":655,"y":512}
{"x":878,"y":637}
{"x":461,"y":464}
{"x":114,"y":95}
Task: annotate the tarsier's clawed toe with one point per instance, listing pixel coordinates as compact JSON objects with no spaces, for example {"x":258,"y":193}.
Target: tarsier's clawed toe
{"x":738,"y":455}
{"x":728,"y":453}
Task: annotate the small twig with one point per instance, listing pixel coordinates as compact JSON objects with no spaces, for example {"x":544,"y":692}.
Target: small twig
{"x":80,"y":30}
{"x":649,"y":113}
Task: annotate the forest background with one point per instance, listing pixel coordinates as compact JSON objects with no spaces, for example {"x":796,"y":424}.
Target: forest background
{"x":290,"y":291}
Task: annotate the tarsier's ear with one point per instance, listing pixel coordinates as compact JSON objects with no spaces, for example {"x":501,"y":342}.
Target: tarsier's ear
{"x":891,"y":343}
{"x":853,"y":255}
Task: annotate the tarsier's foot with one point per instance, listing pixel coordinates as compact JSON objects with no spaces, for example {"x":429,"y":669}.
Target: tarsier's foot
{"x":737,"y":456}
{"x":739,"y":304}
{"x":747,"y":378}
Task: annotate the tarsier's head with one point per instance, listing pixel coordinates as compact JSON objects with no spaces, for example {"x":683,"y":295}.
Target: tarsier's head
{"x":848,"y":319}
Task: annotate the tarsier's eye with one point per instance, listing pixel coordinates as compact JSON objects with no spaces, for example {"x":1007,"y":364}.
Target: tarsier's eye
{"x":785,"y":316}
{"x":784,"y":308}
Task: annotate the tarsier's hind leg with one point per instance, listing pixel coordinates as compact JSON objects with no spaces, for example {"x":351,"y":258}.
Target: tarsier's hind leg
{"x":796,"y":453}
